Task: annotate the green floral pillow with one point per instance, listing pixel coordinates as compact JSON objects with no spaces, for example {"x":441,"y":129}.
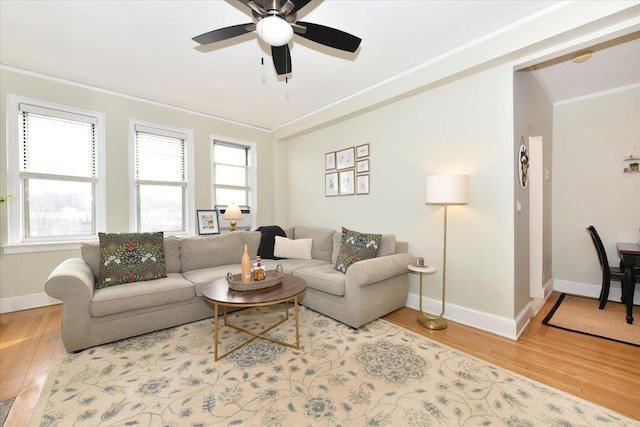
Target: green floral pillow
{"x":130,"y":257}
{"x":356,"y":247}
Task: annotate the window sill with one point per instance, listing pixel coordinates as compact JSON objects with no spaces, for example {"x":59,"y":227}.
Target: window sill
{"x":26,"y":248}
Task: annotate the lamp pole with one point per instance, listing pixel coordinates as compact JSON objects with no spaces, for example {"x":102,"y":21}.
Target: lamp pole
{"x":437,"y":322}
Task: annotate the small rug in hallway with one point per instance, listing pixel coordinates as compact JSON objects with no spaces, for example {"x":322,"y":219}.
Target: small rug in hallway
{"x":581,"y":314}
{"x":379,"y":375}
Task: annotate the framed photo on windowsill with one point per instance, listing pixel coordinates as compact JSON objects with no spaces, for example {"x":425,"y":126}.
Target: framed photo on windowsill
{"x":208,"y":222}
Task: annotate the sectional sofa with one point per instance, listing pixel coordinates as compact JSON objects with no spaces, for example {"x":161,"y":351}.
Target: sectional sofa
{"x":92,"y":316}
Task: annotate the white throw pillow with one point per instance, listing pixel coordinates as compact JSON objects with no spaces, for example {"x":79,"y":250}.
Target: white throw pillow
{"x":297,"y":249}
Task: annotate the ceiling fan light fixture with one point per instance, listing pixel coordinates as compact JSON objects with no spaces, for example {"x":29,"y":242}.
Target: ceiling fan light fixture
{"x":274,"y":30}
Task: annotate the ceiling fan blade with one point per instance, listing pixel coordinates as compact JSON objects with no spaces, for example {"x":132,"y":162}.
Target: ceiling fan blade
{"x":281,"y":59}
{"x":287,"y":8}
{"x":330,"y":36}
{"x":224,"y":33}
{"x":256,"y":7}
{"x":299,"y":4}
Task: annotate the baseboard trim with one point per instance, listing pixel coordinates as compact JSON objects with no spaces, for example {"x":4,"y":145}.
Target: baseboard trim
{"x":498,"y":325}
{"x":593,"y":291}
{"x":25,"y":302}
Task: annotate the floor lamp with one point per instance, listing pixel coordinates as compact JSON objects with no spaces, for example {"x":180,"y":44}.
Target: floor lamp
{"x":444,"y":190}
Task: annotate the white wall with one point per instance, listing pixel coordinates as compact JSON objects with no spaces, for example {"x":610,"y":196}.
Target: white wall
{"x":461,"y":127}
{"x":591,"y":138}
{"x":533,"y":118}
{"x":22,"y":276}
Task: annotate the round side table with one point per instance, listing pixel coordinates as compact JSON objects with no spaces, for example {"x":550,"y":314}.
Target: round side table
{"x":424,"y":319}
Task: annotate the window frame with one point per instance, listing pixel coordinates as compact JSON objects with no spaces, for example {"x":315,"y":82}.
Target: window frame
{"x":16,"y":241}
{"x":252,"y":208}
{"x":189,"y":193}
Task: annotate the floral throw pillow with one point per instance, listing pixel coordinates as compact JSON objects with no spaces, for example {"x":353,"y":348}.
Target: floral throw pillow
{"x":356,"y":247}
{"x":130,"y":257}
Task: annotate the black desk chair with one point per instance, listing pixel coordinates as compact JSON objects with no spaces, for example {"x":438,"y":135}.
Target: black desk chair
{"x":608,"y":273}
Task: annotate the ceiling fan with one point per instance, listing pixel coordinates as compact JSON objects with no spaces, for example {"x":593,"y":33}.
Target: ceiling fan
{"x":276,"y":24}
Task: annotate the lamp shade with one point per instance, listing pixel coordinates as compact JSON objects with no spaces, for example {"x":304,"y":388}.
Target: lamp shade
{"x":449,"y":189}
{"x":274,"y":30}
{"x":232,"y":212}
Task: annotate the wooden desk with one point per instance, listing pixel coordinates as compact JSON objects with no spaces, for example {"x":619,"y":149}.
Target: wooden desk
{"x":629,"y":253}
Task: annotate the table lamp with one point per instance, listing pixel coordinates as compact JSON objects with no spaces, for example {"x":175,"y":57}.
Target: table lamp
{"x":444,"y":190}
{"x":232,"y":213}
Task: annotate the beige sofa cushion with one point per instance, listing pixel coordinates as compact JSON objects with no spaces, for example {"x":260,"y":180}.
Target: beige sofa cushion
{"x":387,"y":245}
{"x":210,"y":251}
{"x":324,"y":278}
{"x":172,"y":254}
{"x":90,"y":252}
{"x":252,"y":239}
{"x":322,"y":246}
{"x":137,"y":295}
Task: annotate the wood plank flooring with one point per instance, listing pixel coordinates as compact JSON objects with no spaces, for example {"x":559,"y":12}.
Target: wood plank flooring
{"x":600,"y":371}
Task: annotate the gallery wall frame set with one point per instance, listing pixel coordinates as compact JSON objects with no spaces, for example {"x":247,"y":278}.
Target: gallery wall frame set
{"x":344,"y":169}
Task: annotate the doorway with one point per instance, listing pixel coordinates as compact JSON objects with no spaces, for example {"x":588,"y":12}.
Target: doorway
{"x":536,"y":218}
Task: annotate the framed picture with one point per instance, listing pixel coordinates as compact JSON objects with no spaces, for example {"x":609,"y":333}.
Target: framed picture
{"x":362,"y":150}
{"x":331,"y":184}
{"x":362,"y":185}
{"x":208,"y":222}
{"x":346,"y":182}
{"x":345,"y":158}
{"x":330,"y":160}
{"x":362,"y":166}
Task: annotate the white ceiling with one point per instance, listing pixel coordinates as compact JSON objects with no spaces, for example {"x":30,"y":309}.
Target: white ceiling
{"x":144,"y":49}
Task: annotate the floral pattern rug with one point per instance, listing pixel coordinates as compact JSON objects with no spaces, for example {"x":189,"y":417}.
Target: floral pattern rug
{"x":379,"y":375}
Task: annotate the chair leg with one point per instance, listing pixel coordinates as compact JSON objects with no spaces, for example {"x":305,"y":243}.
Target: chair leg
{"x":604,"y":293}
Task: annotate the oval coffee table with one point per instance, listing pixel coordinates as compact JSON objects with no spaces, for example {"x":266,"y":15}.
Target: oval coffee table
{"x":219,"y":294}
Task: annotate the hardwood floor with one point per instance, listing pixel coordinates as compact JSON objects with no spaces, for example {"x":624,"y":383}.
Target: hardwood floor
{"x":600,"y":371}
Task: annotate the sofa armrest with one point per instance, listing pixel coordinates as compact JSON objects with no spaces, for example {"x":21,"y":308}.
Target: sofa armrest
{"x":374,"y":270}
{"x":72,"y":282}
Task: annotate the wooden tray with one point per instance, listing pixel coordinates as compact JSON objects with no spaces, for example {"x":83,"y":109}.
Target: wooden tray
{"x":273,"y":278}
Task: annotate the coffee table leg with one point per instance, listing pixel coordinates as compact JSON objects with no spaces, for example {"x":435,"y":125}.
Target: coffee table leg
{"x":215,"y":331}
{"x":295,"y":310}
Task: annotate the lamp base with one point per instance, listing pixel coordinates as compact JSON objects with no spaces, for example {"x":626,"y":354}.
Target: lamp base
{"x":431,"y":322}
{"x":232,"y":225}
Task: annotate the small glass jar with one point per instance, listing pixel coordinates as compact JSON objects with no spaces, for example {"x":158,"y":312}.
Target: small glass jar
{"x":259,"y":272}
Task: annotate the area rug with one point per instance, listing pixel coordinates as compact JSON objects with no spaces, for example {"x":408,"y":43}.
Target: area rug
{"x":5,"y":407}
{"x":581,"y":314}
{"x":379,"y":375}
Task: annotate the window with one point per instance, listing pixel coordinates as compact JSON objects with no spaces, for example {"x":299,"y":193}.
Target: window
{"x":54,"y":172}
{"x":161,"y":184}
{"x":232,"y":174}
